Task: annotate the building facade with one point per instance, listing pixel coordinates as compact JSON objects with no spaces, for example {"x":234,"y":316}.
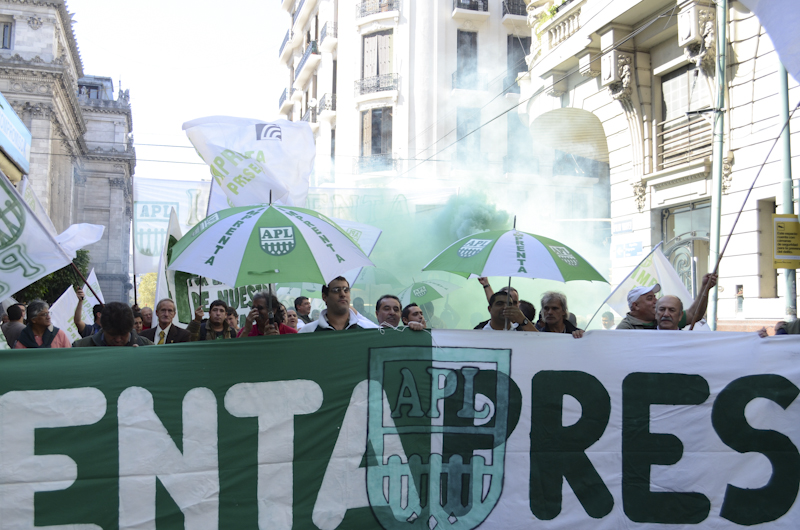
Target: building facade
{"x":636,"y":78}
{"x":82,"y":156}
{"x":419,"y":95}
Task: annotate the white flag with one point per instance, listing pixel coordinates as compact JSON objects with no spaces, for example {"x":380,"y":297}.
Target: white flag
{"x":28,"y":250}
{"x":35,"y":204}
{"x":90,"y":301}
{"x":780,"y":18}
{"x":153,"y":199}
{"x":165,"y":283}
{"x":62,"y":314}
{"x":251,"y":158}
{"x":654,"y":269}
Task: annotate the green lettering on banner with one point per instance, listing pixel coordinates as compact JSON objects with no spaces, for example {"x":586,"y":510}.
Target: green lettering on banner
{"x":773,"y":501}
{"x":558,"y":451}
{"x":642,"y":449}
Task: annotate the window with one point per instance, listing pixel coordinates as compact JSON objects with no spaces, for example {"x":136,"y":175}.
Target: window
{"x":686,"y":232}
{"x":90,"y":91}
{"x":376,"y":132}
{"x":377,"y":54}
{"x":518,"y":48}
{"x":6,"y":35}
{"x":466,"y":74}
{"x":468,"y":148}
{"x":683,"y":139}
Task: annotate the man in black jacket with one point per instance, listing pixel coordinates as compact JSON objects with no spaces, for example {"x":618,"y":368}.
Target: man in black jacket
{"x":117,"y":329}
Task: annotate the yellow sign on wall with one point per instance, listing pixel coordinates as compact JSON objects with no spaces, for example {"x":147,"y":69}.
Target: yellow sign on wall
{"x":786,"y":241}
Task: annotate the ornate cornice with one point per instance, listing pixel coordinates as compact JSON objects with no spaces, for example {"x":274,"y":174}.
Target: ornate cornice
{"x":703,"y":54}
{"x":727,"y":172}
{"x":621,"y":91}
{"x":640,"y":195}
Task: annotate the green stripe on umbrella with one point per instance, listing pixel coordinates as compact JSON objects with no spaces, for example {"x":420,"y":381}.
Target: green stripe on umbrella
{"x":267,"y":244}
{"x":514,"y":253}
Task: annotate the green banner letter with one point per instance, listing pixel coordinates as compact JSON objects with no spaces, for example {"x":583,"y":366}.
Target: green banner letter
{"x":641,"y":449}
{"x":771,"y":502}
{"x":558,"y":451}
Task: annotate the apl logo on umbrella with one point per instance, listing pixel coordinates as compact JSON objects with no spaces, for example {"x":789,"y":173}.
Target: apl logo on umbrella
{"x":565,"y":255}
{"x":421,"y":291}
{"x":436,"y":436}
{"x":472,"y":247}
{"x":277,"y":241}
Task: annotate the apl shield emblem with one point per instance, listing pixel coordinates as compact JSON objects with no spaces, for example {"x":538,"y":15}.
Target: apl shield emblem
{"x":565,"y":255}
{"x":472,"y":247}
{"x":421,"y":291}
{"x":277,"y":241}
{"x":437,"y":428}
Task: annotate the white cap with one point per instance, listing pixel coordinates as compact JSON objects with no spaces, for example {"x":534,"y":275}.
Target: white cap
{"x":636,"y":292}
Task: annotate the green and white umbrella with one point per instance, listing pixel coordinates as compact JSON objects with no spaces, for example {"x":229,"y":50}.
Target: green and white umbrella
{"x":514,"y":253}
{"x":267,"y":244}
{"x":426,"y":291}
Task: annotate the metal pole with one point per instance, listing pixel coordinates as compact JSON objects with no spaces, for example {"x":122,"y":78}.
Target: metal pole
{"x":719,"y":143}
{"x":787,"y":198}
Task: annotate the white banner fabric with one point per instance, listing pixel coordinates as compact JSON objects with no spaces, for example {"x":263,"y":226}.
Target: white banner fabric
{"x":153,"y":200}
{"x":251,"y":158}
{"x":90,"y":301}
{"x":28,"y":251}
{"x":781,"y":19}
{"x":62,"y":314}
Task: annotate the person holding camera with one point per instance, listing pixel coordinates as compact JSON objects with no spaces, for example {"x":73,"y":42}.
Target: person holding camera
{"x":260,"y":321}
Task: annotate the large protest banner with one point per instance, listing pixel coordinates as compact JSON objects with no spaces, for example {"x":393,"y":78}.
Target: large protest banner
{"x":372,"y":429}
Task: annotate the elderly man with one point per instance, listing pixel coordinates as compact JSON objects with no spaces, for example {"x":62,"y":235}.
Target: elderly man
{"x":669,"y":310}
{"x":40,"y":332}
{"x":337,"y":316}
{"x":117,"y":324}
{"x":505,"y":314}
{"x":554,"y":315}
{"x":147,"y":317}
{"x":217,"y":325}
{"x":164,"y":332}
{"x":642,"y":305}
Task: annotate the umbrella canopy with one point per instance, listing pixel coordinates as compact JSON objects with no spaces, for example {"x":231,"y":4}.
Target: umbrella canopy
{"x":427,"y":291}
{"x":514,"y":253}
{"x":267,"y":244}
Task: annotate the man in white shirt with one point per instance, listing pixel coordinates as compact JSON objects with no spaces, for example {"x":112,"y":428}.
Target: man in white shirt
{"x":337,"y":316}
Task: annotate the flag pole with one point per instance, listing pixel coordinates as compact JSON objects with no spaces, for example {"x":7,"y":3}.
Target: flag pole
{"x":86,"y":282}
{"x":508,"y":291}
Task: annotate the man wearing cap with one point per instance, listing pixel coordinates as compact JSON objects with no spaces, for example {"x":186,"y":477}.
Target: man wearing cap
{"x":642,"y":305}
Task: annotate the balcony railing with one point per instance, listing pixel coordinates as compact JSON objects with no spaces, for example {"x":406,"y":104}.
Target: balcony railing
{"x":328,"y":30}
{"x":283,"y":97}
{"x":682,"y":141}
{"x":310,"y":116}
{"x":472,"y":5}
{"x":514,"y":7}
{"x":467,"y":80}
{"x":328,"y":102}
{"x":374,"y":163}
{"x":366,"y":8}
{"x":379,"y":83}
{"x":310,"y":49}
{"x":297,"y":11}
{"x":285,"y":42}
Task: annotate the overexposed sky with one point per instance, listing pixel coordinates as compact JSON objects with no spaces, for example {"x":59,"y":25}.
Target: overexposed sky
{"x":183,"y":60}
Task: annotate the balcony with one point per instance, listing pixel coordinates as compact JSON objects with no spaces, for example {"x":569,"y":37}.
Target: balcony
{"x":297,"y":12}
{"x":367,"y":8}
{"x":286,"y":5}
{"x":469,"y":80}
{"x":328,"y":37}
{"x":682,"y":141}
{"x":285,"y":103}
{"x":515,"y":15}
{"x":381,"y":83}
{"x":303,"y":14}
{"x":327,"y":106}
{"x":307,"y":65}
{"x":374,"y":164}
{"x":471,"y":10}
{"x":285,"y":52}
{"x":310,"y":116}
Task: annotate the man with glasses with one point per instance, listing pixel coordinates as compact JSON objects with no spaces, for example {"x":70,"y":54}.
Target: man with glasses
{"x":164,"y":332}
{"x":337,"y":315}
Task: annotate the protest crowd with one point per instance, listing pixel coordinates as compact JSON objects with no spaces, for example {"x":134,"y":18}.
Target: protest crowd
{"x":118,"y":324}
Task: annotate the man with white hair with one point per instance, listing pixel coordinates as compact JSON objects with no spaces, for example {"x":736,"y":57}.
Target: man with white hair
{"x":642,"y":304}
{"x":669,"y":310}
{"x":554,"y":315}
